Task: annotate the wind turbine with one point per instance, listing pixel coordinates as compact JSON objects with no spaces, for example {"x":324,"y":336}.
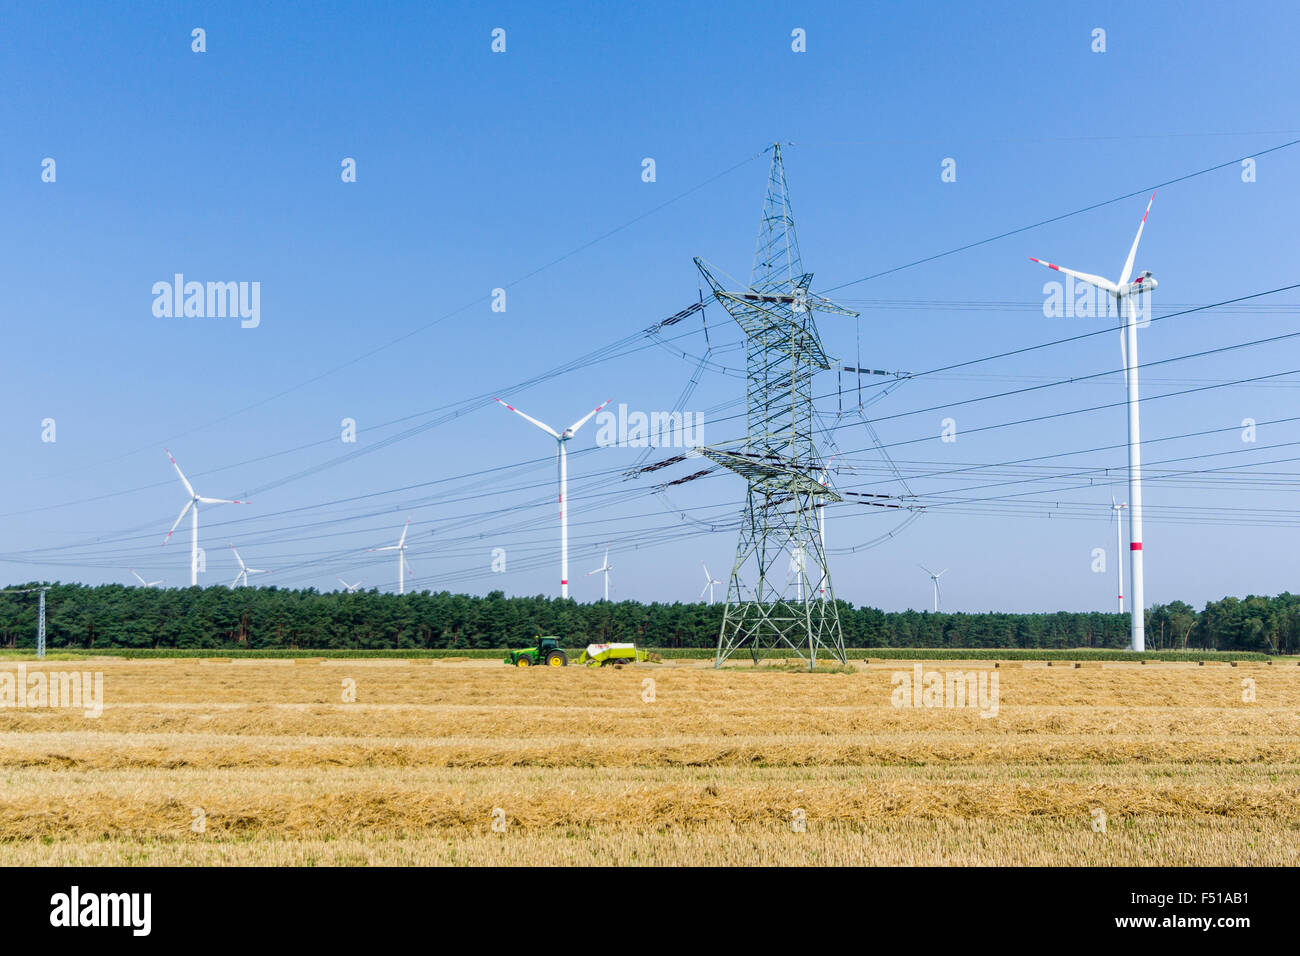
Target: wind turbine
{"x":821,"y":526}
{"x":934,"y":576}
{"x":709,"y":581}
{"x":351,"y":587}
{"x":1125,"y":293}
{"x":402,"y":564}
{"x":193,"y":504}
{"x":244,"y":570}
{"x":797,"y":562}
{"x":1118,"y":518}
{"x":560,"y":439}
{"x":147,"y":584}
{"x":603,"y":569}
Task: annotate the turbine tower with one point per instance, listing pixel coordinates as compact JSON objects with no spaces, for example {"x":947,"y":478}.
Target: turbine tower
{"x":778,"y":458}
{"x":1125,"y":294}
{"x":192,"y":506}
{"x":1116,"y":515}
{"x":561,"y":438}
{"x":934,"y":576}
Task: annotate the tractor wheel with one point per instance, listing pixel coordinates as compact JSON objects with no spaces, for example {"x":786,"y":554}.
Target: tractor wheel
{"x":557,"y":659}
{"x":524,"y":661}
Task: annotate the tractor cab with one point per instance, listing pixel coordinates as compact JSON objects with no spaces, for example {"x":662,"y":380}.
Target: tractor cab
{"x":546,"y":652}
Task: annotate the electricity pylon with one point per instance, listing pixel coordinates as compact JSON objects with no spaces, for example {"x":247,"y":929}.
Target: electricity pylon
{"x":771,"y":601}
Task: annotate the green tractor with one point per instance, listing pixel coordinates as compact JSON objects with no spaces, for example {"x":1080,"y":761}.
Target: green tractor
{"x":546,"y":652}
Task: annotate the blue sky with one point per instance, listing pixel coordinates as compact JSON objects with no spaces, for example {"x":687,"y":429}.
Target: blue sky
{"x":478,"y":170}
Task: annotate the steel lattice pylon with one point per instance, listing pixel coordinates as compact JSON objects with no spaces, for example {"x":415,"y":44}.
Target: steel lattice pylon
{"x":780,"y":566}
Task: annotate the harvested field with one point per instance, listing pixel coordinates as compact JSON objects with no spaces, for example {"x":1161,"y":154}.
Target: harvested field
{"x":264,"y":762}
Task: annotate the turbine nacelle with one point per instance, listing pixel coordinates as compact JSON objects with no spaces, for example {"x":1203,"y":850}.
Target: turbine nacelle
{"x":1145,"y":282}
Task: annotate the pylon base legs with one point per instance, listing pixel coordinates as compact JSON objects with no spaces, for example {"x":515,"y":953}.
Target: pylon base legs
{"x":809,"y":630}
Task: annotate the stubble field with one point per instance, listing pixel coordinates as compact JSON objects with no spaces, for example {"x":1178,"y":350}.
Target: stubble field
{"x":471,"y":762}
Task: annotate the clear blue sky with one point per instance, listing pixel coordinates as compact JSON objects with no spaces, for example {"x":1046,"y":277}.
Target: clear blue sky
{"x":476,"y":170}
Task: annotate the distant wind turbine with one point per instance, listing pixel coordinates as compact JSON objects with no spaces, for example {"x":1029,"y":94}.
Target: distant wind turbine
{"x":796,"y":569}
{"x":402,"y":564}
{"x":148,"y":584}
{"x":708,"y":582}
{"x":193,"y":505}
{"x":1118,"y":518}
{"x":351,"y":587}
{"x":1125,"y":294}
{"x":934,"y":576}
{"x":603,"y":569}
{"x":244,"y":570}
{"x":821,"y":528}
{"x":560,"y":438}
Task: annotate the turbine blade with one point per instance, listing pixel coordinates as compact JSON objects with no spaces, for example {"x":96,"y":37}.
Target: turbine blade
{"x":238,"y":558}
{"x":138,"y":578}
{"x":1132,"y":253}
{"x":1123,"y":353}
{"x":188,"y":505}
{"x":572,"y":429}
{"x":185,"y":481}
{"x":707,"y":576}
{"x":221,"y":501}
{"x":1087,"y":277}
{"x":704,"y":590}
{"x":542,"y":425}
{"x":405,"y":528}
{"x":390,"y":547}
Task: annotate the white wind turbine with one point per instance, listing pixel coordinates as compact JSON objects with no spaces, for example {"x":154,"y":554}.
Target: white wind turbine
{"x":796,"y":569}
{"x":560,"y":438}
{"x":1125,"y":294}
{"x":821,"y":527}
{"x":143,"y":582}
{"x":934,"y":576}
{"x":244,"y":570}
{"x":709,"y":581}
{"x":193,"y":505}
{"x":603,"y":569}
{"x":1116,"y":515}
{"x":351,"y":587}
{"x":402,"y":564}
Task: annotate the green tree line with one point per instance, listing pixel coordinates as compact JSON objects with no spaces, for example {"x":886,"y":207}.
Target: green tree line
{"x":275,"y":618}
